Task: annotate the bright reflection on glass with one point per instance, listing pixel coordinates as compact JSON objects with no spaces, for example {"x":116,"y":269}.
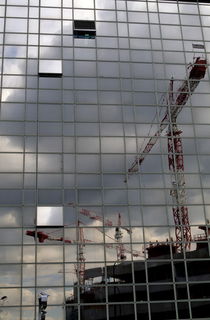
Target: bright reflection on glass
{"x":50,"y":67}
{"x":49,"y":216}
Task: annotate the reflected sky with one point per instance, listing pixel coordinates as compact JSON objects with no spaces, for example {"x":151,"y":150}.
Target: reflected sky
{"x":92,"y":123}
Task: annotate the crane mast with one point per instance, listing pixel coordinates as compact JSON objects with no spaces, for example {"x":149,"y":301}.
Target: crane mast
{"x":178,"y":192}
{"x":176,"y":102}
{"x":80,"y":255}
{"x":118,"y":236}
{"x":176,"y":167}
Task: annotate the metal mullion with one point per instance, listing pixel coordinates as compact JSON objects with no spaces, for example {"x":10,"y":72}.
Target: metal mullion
{"x":62,"y":128}
{"x":101,"y":170}
{"x":139,"y":180}
{"x":24,"y":152}
{"x":194,"y":132}
{"x":37,"y":129}
{"x":101,"y":173}
{"x":184,"y":251}
{"x":75,"y":174}
{"x":3,"y":49}
{"x":131,"y":63}
{"x":165,"y":184}
{"x":124,"y":136}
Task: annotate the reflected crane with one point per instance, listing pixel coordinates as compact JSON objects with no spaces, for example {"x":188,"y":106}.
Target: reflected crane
{"x":176,"y":101}
{"x":43,"y":236}
{"x":81,"y":241}
{"x":94,"y":216}
{"x":118,"y":236}
{"x":80,"y":268}
{"x":117,"y":244}
{"x":108,"y":223}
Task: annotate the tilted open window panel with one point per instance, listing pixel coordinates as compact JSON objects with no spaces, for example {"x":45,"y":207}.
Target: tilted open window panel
{"x":49,"y":216}
{"x":50,"y":68}
{"x":84,"y":29}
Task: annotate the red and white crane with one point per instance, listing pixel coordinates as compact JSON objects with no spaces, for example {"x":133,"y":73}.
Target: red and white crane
{"x":118,"y":233}
{"x":117,"y":242}
{"x":43,"y":236}
{"x":94,"y":216}
{"x":176,"y":101}
{"x":80,"y":241}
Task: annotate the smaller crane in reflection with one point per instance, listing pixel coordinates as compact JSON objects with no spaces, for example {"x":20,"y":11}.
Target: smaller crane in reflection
{"x":81,"y":241}
{"x":117,"y":240}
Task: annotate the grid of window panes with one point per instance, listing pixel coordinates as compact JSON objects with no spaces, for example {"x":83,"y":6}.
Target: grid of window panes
{"x":75,"y":113}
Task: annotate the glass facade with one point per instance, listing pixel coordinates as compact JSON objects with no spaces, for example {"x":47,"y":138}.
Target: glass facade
{"x":104,"y":159}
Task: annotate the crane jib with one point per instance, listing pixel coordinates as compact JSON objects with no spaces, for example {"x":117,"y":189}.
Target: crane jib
{"x":196,"y":73}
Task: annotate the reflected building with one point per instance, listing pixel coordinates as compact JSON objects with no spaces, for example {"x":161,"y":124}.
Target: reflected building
{"x":162,"y":281}
{"x":104,"y":159}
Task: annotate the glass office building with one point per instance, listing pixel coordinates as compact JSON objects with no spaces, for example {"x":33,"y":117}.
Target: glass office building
{"x":104,"y":159}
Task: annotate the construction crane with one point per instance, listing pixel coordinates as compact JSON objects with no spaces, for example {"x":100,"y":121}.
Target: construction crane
{"x":116,"y":244}
{"x":94,"y":216}
{"x":80,"y":269}
{"x":118,"y":236}
{"x":118,"y":233}
{"x":81,"y":241}
{"x":176,"y":101}
{"x":43,"y":236}
{"x":121,"y":250}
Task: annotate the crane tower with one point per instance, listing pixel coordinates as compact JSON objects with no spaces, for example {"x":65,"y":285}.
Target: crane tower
{"x":118,"y":236}
{"x":176,"y":101}
{"x":80,"y":269}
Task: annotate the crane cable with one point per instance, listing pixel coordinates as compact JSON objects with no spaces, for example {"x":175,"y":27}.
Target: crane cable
{"x":156,"y":116}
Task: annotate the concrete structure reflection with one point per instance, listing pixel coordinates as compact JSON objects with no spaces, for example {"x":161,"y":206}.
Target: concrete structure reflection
{"x":165,"y":269}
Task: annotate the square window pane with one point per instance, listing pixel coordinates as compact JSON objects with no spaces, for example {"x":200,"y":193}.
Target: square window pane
{"x":50,"y":68}
{"x":49,"y":216}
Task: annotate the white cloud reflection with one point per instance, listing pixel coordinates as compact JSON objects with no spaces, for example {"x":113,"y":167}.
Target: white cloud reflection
{"x":103,"y":146}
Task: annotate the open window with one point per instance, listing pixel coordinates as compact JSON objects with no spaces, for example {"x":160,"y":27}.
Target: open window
{"x":50,"y":68}
{"x":49,"y":216}
{"x":84,"y":29}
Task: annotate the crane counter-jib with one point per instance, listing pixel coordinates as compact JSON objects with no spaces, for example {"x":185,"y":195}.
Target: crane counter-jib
{"x":195,"y":74}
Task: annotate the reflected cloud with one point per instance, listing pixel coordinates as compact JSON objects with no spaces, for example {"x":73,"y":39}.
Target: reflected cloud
{"x":9,"y":218}
{"x":104,"y":146}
